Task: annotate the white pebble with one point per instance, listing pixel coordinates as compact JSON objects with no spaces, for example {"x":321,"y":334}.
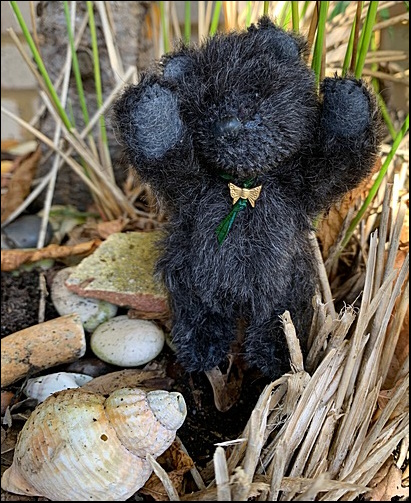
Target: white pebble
{"x":92,"y":312}
{"x":127,"y":342}
{"x":42,"y":387}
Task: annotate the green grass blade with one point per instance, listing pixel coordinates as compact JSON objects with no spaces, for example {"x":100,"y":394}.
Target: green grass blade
{"x":384,"y":111}
{"x":348,"y":52}
{"x":248,"y":14}
{"x":71,"y":113}
{"x":187,"y":22}
{"x":365,"y":39}
{"x":383,"y":107}
{"x":40,"y":65}
{"x":356,"y":45}
{"x":285,"y":15}
{"x":400,"y":135}
{"x":353,"y":40}
{"x":295,"y":16}
{"x":216,"y":18}
{"x":97,"y":75}
{"x":164,"y":25}
{"x":340,"y":8}
{"x":266,"y":6}
{"x":304,"y":9}
{"x":75,"y":64}
{"x":319,"y":41}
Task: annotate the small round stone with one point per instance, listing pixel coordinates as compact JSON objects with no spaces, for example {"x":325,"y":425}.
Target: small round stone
{"x":127,"y":342}
{"x":92,"y":312}
{"x":24,"y":232}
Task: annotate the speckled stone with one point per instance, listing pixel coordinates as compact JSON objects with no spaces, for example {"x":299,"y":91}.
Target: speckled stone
{"x":126,"y":342}
{"x":121,"y":272}
{"x":92,"y":312}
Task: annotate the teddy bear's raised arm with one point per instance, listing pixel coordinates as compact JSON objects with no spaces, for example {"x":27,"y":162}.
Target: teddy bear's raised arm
{"x":156,"y":142}
{"x":349,"y":134}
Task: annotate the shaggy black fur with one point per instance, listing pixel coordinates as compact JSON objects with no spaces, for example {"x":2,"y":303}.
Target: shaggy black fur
{"x":244,"y":105}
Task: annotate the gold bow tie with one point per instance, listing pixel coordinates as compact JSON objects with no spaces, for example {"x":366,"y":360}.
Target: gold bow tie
{"x":249,"y":194}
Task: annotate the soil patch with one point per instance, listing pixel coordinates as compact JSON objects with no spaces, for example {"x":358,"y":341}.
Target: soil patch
{"x":204,"y":426}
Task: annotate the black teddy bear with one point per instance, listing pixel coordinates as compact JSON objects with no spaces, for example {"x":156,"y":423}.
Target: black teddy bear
{"x":244,"y":155}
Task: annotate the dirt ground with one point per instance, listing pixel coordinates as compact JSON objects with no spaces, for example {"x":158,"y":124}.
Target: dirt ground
{"x":204,"y":426}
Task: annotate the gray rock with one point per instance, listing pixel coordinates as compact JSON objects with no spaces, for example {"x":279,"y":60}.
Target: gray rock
{"x":92,"y":312}
{"x":23,"y":233}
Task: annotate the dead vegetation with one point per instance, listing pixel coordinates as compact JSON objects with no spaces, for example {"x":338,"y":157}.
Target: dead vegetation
{"x":337,"y":426}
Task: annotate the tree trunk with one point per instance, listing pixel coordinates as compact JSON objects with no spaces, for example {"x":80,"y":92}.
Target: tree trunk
{"x":134,"y":48}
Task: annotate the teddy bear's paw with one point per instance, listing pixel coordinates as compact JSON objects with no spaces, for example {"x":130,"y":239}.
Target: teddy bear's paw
{"x":156,"y":121}
{"x":204,"y":345}
{"x":346,"y":106}
{"x":267,"y":359}
{"x":195,"y":359}
{"x":200,"y":356}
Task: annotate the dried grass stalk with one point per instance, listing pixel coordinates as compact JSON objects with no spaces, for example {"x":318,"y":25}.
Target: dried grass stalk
{"x":317,"y":436}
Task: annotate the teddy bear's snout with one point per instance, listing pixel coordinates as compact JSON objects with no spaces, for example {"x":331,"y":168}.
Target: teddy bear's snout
{"x":227,"y":126}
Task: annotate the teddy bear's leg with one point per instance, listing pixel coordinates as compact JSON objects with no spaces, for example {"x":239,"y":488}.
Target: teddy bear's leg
{"x":202,"y":337}
{"x":266,"y":345}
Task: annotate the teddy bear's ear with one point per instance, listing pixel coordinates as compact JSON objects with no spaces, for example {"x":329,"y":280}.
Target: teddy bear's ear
{"x":286,"y":46}
{"x":177,"y":66}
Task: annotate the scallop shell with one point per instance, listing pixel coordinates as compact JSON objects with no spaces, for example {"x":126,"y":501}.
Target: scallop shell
{"x":81,"y":446}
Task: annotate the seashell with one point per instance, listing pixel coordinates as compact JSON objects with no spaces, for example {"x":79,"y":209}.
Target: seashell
{"x":42,"y":387}
{"x":165,"y":407}
{"x":81,"y":446}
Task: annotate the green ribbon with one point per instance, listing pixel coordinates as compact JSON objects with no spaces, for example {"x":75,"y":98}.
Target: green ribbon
{"x":225,"y":225}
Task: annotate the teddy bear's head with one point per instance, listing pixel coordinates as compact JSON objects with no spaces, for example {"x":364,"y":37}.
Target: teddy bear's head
{"x":247,"y":98}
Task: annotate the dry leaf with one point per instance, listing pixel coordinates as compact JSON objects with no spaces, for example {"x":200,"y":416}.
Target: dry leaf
{"x":164,"y":317}
{"x":176,"y":463}
{"x":226,"y":387}
{"x":129,"y":378}
{"x":405,"y":231}
{"x":104,"y":229}
{"x":6,"y":399}
{"x":387,"y":483}
{"x":330,"y":227}
{"x":384,"y":398}
{"x":402,"y":347}
{"x":8,"y":144}
{"x":19,"y":185}
{"x":8,"y":443}
{"x":7,"y":168}
{"x":13,"y":259}
{"x":402,"y":350}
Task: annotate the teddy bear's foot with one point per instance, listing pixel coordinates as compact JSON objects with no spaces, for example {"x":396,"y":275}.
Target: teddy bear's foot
{"x":346,"y":106}
{"x":266,"y":348}
{"x":204,"y":345}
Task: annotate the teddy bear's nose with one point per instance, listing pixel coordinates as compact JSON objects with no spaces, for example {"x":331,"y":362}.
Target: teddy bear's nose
{"x":227,"y":126}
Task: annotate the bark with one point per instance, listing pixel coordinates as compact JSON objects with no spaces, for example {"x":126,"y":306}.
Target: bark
{"x":135,"y":49}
